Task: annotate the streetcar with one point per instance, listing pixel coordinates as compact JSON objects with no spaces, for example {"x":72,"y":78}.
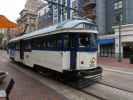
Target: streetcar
{"x":69,"y":48}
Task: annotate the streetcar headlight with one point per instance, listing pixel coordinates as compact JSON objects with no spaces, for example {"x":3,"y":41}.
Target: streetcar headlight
{"x":82,"y":62}
{"x":93,"y":60}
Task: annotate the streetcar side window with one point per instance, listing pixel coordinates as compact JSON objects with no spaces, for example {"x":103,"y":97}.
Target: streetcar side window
{"x":66,"y":41}
{"x":70,"y":41}
{"x":51,"y":42}
{"x":58,"y":42}
{"x":27,"y":45}
{"x":44,"y":43}
{"x":37,"y":43}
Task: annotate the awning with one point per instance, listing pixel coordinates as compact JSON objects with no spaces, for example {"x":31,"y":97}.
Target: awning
{"x":106,"y":41}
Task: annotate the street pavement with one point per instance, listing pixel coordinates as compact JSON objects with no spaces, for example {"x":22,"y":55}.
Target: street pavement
{"x":116,"y":84}
{"x":117,"y":74}
{"x":117,"y":81}
{"x":32,"y":86}
{"x":27,"y":88}
{"x":110,"y":61}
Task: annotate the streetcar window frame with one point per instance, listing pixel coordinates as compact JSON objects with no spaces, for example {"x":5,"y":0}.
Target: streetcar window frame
{"x":89,"y":26}
{"x":92,"y":39}
{"x":36,"y":43}
{"x":66,"y":41}
{"x":27,"y":45}
{"x":51,"y":42}
{"x":58,"y":42}
{"x":73,"y":42}
{"x":48,"y":42}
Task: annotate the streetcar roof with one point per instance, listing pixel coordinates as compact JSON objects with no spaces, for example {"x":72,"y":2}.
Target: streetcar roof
{"x":64,"y":25}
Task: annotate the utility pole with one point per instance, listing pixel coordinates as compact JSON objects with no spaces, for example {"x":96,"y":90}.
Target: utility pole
{"x":120,"y":55}
{"x":119,"y":25}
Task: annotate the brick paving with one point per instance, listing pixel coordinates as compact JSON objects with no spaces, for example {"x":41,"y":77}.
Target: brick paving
{"x":27,"y":88}
{"x":114,"y":62}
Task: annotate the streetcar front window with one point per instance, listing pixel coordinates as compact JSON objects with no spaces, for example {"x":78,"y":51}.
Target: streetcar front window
{"x":87,"y":41}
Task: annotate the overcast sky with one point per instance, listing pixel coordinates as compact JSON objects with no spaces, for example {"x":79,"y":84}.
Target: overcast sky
{"x":11,"y":8}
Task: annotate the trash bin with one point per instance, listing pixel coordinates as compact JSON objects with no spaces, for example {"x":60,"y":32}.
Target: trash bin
{"x":131,"y":59}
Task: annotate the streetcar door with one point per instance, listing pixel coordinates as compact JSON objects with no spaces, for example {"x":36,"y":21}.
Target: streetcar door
{"x":73,"y":51}
{"x":21,"y":50}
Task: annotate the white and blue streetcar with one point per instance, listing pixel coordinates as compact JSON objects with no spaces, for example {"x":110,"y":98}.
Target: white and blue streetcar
{"x":69,"y":48}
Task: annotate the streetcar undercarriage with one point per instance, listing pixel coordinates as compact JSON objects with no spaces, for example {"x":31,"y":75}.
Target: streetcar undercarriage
{"x":77,"y":79}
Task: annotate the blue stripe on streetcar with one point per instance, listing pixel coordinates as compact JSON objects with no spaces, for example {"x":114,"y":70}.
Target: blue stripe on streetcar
{"x":65,"y":49}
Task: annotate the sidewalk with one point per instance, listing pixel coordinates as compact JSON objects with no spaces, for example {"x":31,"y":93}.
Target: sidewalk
{"x":114,"y":62}
{"x":26,"y":87}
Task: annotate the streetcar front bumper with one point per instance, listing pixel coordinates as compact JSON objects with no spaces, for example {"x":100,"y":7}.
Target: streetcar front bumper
{"x":85,"y":78}
{"x":89,"y":77}
{"x":91,"y":72}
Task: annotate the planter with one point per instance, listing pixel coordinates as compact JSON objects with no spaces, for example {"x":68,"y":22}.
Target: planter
{"x":3,"y":75}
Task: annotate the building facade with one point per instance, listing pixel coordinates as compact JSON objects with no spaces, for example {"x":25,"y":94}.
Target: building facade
{"x":28,"y":17}
{"x":45,"y":15}
{"x":88,"y":9}
{"x":101,"y":15}
{"x":110,"y":43}
{"x":27,"y":22}
{"x":58,"y":11}
{"x":106,"y":13}
{"x":118,"y":13}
